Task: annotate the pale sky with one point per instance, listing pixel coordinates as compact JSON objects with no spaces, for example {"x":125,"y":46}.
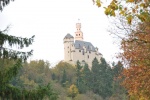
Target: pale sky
{"x":51,"y":20}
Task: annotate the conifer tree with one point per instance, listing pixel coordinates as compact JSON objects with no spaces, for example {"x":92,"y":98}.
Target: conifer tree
{"x":95,"y":76}
{"x":3,"y":3}
{"x":87,"y":77}
{"x":101,"y":78}
{"x":64,"y":78}
{"x":79,"y":77}
{"x":7,"y":53}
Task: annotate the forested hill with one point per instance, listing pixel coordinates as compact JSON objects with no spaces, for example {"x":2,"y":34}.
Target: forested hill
{"x":73,"y":82}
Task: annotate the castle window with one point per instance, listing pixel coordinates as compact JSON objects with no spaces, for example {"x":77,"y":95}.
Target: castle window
{"x":89,"y":51}
{"x":79,"y":50}
{"x":68,"y":46}
{"x":88,"y":56}
{"x":79,"y":34}
{"x":76,"y":34}
{"x":82,"y":52}
{"x":68,"y":51}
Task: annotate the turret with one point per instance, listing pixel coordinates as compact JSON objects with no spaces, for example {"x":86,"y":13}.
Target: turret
{"x":68,"y":47}
{"x":68,"y":38}
{"x":78,"y":33}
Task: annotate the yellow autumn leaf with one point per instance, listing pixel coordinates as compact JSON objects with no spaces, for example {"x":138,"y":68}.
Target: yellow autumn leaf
{"x":122,"y":12}
{"x":142,"y":5}
{"x":107,"y":11}
{"x":98,"y":3}
{"x":130,"y":0}
{"x":133,"y":10}
{"x":113,"y":13}
{"x":129,"y":19}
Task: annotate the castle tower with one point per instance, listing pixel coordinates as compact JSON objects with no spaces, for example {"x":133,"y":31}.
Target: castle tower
{"x":68,"y":47}
{"x":78,"y":33}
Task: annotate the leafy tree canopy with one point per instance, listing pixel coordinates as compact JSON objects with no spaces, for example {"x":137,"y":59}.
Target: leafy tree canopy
{"x":130,"y":9}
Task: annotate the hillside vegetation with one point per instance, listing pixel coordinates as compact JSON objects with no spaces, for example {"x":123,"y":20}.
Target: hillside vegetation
{"x":74,"y":82}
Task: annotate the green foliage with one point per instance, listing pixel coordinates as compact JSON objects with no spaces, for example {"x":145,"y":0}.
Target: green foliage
{"x":119,"y":92}
{"x":79,"y":80}
{"x":10,"y":65}
{"x":73,"y":91}
{"x":10,"y":53}
{"x":101,"y":78}
{"x":33,"y":74}
{"x":58,"y":73}
{"x":64,"y":78}
{"x":86,"y":78}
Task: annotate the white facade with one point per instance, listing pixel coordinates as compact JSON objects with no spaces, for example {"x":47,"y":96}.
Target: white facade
{"x":78,"y":49}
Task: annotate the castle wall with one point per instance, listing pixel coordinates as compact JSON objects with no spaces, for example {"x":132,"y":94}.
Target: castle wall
{"x":67,"y":49}
{"x":88,"y":57}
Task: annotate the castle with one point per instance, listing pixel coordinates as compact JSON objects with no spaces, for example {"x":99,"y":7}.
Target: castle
{"x":78,"y":49}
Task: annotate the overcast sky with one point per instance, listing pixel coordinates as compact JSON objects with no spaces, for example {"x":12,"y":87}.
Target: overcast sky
{"x":51,"y":20}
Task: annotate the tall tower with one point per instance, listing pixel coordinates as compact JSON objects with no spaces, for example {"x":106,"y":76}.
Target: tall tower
{"x":78,"y":33}
{"x":68,"y":47}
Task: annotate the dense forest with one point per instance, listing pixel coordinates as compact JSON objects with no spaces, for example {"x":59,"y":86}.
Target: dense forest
{"x":74,"y":82}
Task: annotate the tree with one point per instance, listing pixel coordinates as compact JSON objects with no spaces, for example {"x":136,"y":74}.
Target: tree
{"x":3,"y":3}
{"x":101,"y":78}
{"x":106,"y":79}
{"x":79,"y":80}
{"x":130,"y":9}
{"x":95,"y":76}
{"x":137,"y":55}
{"x":73,"y":91}
{"x":7,"y":90}
{"x":136,"y":44}
{"x":58,"y":72}
{"x":83,"y":78}
{"x":7,"y":53}
{"x":64,"y":78}
{"x":119,"y":92}
{"x":86,"y":77}
{"x":6,"y":74}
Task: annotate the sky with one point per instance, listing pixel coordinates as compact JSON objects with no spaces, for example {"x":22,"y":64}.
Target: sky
{"x":51,"y":20}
